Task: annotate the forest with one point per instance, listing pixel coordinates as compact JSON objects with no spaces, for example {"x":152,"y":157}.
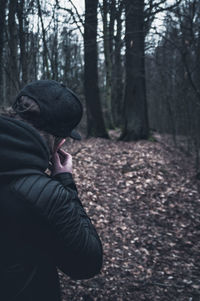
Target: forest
{"x":135,"y":64}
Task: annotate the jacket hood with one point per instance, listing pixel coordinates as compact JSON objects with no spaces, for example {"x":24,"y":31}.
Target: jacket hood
{"x":22,"y":149}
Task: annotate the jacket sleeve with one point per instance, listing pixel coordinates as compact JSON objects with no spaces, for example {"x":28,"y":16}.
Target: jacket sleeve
{"x":76,"y":246}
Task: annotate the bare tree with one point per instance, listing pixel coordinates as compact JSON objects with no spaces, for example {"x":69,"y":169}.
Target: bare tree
{"x":135,"y":104}
{"x":117,"y":68}
{"x":2,"y":37}
{"x":108,"y":8}
{"x":95,"y":122}
{"x":12,"y":70}
{"x":174,"y":78}
{"x":22,"y":41}
{"x":46,"y":71}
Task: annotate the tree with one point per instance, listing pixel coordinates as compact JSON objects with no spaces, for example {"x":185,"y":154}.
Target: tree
{"x":2,"y":26}
{"x":135,"y":104}
{"x":22,"y":41}
{"x":108,"y":8}
{"x":13,"y":71}
{"x":95,"y":122}
{"x":174,"y":78}
{"x":71,"y":62}
{"x":46,"y":71}
{"x":117,"y":68}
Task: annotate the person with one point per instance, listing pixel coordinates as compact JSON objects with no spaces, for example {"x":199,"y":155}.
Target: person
{"x":43,"y":223}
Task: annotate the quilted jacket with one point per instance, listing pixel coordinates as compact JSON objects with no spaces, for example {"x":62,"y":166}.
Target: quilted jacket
{"x":43,"y":225}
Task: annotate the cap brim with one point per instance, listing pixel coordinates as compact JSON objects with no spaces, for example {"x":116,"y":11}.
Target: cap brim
{"x":75,"y":135}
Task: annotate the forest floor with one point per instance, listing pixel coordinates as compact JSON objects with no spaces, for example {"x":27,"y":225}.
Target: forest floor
{"x":145,"y":203}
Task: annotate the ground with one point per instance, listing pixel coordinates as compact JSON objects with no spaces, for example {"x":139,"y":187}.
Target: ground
{"x":144,"y":201}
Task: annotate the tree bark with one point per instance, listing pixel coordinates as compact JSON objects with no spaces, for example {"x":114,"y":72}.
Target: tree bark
{"x":54,"y":50}
{"x":2,"y":26}
{"x":22,"y":41}
{"x":108,"y":63}
{"x":46,"y":72}
{"x":117,"y":72}
{"x":135,"y":104}
{"x":13,"y":69}
{"x":95,"y":122}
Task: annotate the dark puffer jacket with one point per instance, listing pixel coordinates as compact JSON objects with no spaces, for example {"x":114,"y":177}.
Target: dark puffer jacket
{"x":42,"y":222}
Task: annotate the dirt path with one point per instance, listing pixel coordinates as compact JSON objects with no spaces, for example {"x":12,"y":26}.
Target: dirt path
{"x":144,"y":201}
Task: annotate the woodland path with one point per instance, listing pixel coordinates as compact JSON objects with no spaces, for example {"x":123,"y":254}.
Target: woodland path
{"x":145,"y":203}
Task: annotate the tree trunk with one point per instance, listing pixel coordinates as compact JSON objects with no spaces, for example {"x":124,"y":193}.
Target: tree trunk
{"x":22,"y":41}
{"x":95,"y":122}
{"x":117,"y":74}
{"x":33,"y":65}
{"x":13,"y":71}
{"x":2,"y":26}
{"x":108,"y":63}
{"x":46,"y":72}
{"x":135,"y":105}
{"x":54,"y":50}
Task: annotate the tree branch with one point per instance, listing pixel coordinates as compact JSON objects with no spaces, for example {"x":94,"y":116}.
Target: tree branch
{"x":73,"y":16}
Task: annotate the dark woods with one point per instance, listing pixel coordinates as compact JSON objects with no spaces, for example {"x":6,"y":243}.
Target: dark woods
{"x":173,"y":78}
{"x":134,"y":72}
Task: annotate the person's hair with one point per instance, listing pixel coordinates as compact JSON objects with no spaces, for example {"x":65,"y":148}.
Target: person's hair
{"x":27,"y":110}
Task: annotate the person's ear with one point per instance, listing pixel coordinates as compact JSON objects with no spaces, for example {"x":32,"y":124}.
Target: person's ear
{"x":26,"y":104}
{"x":27,"y":108}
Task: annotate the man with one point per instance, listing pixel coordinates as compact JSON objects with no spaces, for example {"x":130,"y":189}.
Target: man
{"x":43,"y":223}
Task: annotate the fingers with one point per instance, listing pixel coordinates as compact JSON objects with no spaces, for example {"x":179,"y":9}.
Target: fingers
{"x":63,"y":156}
{"x":60,"y":144}
{"x":67,"y":158}
{"x":62,"y":162}
{"x":63,"y":152}
{"x":56,"y":159}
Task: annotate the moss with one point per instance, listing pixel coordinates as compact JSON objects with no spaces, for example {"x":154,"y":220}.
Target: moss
{"x":152,"y":139}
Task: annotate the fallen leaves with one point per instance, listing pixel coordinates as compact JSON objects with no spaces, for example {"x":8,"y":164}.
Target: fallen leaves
{"x":145,"y":204}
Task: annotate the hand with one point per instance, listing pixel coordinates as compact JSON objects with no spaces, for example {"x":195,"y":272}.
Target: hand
{"x":61,"y":162}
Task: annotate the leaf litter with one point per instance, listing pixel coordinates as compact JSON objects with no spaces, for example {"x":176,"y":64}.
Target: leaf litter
{"x":144,"y":201}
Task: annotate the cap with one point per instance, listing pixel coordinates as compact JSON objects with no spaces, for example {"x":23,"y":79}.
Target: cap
{"x":60,"y":109}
